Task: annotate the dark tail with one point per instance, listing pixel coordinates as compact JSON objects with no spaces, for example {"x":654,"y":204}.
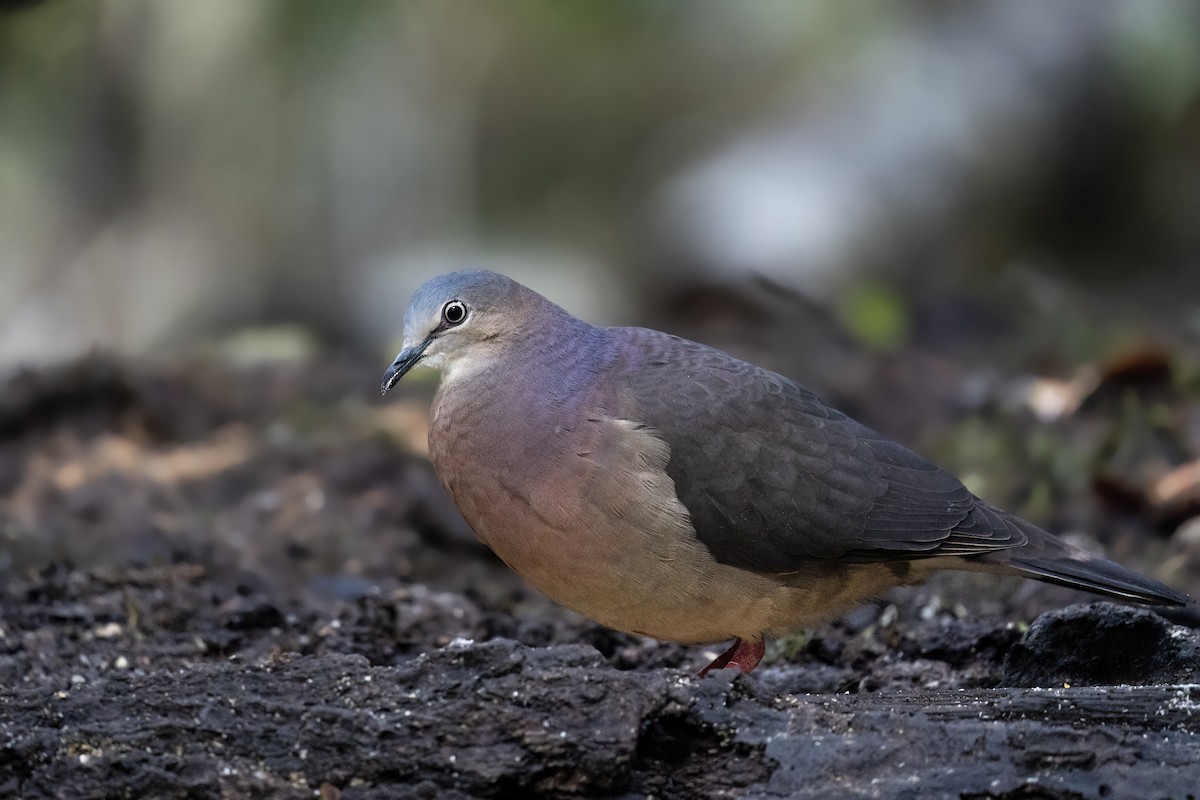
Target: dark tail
{"x":1047,"y":558}
{"x":1101,"y":576}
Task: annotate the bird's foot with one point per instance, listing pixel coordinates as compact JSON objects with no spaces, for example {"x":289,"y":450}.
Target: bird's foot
{"x":741,"y":654}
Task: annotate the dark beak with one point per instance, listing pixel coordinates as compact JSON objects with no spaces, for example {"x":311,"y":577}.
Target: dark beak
{"x":407,"y":359}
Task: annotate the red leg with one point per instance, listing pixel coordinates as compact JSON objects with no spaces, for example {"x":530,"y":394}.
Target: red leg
{"x":741,"y":654}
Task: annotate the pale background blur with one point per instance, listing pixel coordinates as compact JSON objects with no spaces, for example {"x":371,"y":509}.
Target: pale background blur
{"x":170,"y":172}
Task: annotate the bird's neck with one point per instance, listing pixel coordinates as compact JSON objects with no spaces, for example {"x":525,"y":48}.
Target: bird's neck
{"x":524,"y":392}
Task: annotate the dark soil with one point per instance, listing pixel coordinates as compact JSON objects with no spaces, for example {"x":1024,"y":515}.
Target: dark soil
{"x":247,"y":583}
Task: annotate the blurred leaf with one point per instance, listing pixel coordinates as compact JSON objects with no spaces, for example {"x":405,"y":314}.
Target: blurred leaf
{"x":877,"y":316}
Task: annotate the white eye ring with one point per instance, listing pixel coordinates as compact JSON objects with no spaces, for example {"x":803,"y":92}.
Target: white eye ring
{"x":454,"y":313}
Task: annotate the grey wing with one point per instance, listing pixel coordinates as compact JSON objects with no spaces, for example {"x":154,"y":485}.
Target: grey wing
{"x":774,"y":478}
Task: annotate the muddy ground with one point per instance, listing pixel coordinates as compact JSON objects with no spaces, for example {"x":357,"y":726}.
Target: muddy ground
{"x":244,"y":581}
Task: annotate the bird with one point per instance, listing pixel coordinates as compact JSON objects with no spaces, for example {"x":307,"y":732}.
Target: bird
{"x":664,"y":488}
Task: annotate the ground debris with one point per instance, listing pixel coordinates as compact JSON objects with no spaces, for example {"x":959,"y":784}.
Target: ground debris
{"x":217,"y":585}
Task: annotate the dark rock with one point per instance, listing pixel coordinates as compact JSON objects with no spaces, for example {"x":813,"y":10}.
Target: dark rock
{"x":1104,"y":644}
{"x":482,"y":720}
{"x":251,"y":613}
{"x":498,"y":719}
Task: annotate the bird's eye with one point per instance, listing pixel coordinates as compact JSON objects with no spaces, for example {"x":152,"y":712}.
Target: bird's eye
{"x":454,"y":312}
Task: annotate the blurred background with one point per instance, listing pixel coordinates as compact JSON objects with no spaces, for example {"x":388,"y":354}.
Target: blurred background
{"x":975,"y":225}
{"x":168,"y":171}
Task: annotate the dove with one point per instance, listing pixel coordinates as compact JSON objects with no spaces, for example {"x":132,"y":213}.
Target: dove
{"x":667,"y":489}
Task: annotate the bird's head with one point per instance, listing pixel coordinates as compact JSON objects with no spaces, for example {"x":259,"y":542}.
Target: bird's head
{"x":459,"y":320}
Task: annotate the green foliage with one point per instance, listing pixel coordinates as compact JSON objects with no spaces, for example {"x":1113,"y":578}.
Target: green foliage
{"x":877,"y":316}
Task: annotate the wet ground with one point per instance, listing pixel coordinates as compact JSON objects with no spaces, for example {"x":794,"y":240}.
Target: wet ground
{"x":226,"y":581}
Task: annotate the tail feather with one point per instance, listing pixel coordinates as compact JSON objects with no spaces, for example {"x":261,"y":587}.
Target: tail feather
{"x":1103,"y":577}
{"x":1047,"y":558}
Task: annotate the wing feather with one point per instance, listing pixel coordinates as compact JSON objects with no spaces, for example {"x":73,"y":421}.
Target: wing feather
{"x":774,"y":478}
